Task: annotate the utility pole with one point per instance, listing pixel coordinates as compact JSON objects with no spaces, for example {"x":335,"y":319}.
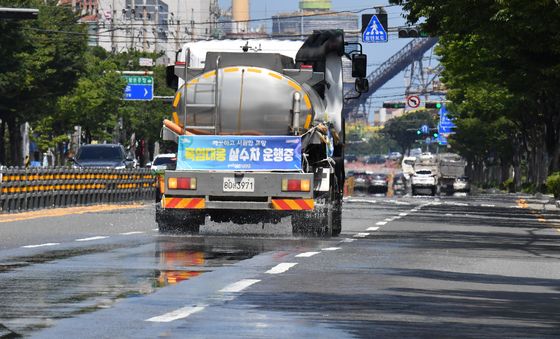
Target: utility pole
{"x":113,"y":13}
{"x":145,"y":32}
{"x":157,"y":27}
{"x":178,"y":35}
{"x":192,"y":24}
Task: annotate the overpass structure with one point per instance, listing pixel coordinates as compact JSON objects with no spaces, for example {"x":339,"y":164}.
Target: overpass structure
{"x":410,"y":53}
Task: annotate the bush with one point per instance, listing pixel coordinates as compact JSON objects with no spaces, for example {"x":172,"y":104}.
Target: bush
{"x":553,"y":184}
{"x":508,"y":185}
{"x":529,"y":188}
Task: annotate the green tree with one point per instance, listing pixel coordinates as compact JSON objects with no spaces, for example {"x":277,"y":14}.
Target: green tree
{"x":39,"y":63}
{"x":403,"y":129}
{"x":95,"y":101}
{"x":501,"y":60}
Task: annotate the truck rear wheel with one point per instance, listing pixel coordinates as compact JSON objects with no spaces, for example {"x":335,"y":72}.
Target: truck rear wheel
{"x":313,"y":223}
{"x":178,"y":221}
{"x":324,"y":222}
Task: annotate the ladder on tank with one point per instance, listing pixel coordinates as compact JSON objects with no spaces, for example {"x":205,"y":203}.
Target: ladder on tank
{"x":189,"y":108}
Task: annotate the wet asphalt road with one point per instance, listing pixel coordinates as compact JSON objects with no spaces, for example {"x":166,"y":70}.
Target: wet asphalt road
{"x":484,"y":266}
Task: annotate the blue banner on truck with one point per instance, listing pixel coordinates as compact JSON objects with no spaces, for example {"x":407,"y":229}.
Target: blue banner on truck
{"x":239,"y":153}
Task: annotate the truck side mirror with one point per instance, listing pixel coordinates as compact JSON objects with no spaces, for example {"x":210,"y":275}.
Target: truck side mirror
{"x":362,"y":85}
{"x":359,"y":65}
{"x":171,"y":80}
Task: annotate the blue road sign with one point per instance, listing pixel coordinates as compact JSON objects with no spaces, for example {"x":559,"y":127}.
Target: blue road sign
{"x":444,"y":120}
{"x":374,"y":31}
{"x":424,"y":129}
{"x":428,"y":140}
{"x":445,"y":129}
{"x":442,"y":140}
{"x":139,"y":88}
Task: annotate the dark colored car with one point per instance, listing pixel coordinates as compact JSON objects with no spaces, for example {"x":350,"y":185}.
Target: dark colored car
{"x":378,"y":183}
{"x":361,"y":182}
{"x":376,"y":159}
{"x":103,"y":155}
{"x":350,"y":158}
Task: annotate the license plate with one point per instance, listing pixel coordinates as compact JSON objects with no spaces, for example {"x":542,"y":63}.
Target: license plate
{"x":239,"y":185}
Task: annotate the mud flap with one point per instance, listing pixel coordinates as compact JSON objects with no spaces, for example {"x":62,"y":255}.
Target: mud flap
{"x":179,"y":220}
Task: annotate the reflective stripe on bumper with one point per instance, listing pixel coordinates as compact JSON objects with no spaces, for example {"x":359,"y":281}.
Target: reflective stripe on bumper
{"x":293,"y":204}
{"x":184,"y":203}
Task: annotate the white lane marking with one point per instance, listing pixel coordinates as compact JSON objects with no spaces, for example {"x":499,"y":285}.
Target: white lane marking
{"x":131,"y":233}
{"x":177,"y":314}
{"x":281,"y":268}
{"x":361,"y":235}
{"x":347,"y":240}
{"x":332,"y":248}
{"x":381,"y":223}
{"x":396,"y":218}
{"x":239,"y":286}
{"x":155,"y":229}
{"x":92,"y":238}
{"x":448,"y":214}
{"x":389,"y":219}
{"x":372,"y":229}
{"x":487,"y":205}
{"x":362,"y":201}
{"x":41,"y":245}
{"x":306,"y":254}
{"x":456,"y":204}
{"x":403,"y":214}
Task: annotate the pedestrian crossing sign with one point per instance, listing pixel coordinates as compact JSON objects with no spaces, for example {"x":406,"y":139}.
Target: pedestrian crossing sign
{"x":374,"y":31}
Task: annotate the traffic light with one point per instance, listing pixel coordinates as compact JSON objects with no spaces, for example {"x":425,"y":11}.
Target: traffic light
{"x":412,"y":32}
{"x":418,"y":132}
{"x":394,"y":105}
{"x":18,"y":13}
{"x":436,"y":135}
{"x":434,"y":104}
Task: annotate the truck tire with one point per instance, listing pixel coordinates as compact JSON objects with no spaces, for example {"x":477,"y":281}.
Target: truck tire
{"x":312,"y":223}
{"x":309,"y":223}
{"x":178,"y":221}
{"x":336,"y":221}
{"x":434,"y":191}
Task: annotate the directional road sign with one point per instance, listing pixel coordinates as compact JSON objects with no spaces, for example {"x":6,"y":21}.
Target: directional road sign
{"x":444,"y":120}
{"x":445,"y":129}
{"x":425,"y":129}
{"x":442,"y":140}
{"x":374,"y":31}
{"x":139,"y":87}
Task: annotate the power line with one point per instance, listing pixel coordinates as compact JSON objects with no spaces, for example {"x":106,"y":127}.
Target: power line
{"x":276,"y":17}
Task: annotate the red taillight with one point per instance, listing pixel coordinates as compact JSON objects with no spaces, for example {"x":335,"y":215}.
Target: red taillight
{"x":181,"y":183}
{"x":306,"y":66}
{"x":295,"y":185}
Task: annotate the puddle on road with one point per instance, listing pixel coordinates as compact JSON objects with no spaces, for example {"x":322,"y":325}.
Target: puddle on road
{"x":35,"y":293}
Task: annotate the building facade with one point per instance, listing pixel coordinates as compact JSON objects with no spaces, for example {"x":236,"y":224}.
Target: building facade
{"x":147,"y":25}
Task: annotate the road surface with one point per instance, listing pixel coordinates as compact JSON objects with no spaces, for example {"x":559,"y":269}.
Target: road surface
{"x":482,"y":266}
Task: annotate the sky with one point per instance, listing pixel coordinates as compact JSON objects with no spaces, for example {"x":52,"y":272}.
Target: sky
{"x":377,"y":52}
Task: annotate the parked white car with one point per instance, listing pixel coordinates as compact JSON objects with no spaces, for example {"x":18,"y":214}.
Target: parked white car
{"x":163,"y":162}
{"x":424,"y":179}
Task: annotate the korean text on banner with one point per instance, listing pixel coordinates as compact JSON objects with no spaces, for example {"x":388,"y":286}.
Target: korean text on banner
{"x":239,"y":153}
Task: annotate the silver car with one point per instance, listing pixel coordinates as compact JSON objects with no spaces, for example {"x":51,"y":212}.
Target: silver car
{"x":462,"y":184}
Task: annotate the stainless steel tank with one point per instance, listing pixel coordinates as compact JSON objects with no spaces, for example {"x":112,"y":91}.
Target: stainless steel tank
{"x":246,"y":100}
